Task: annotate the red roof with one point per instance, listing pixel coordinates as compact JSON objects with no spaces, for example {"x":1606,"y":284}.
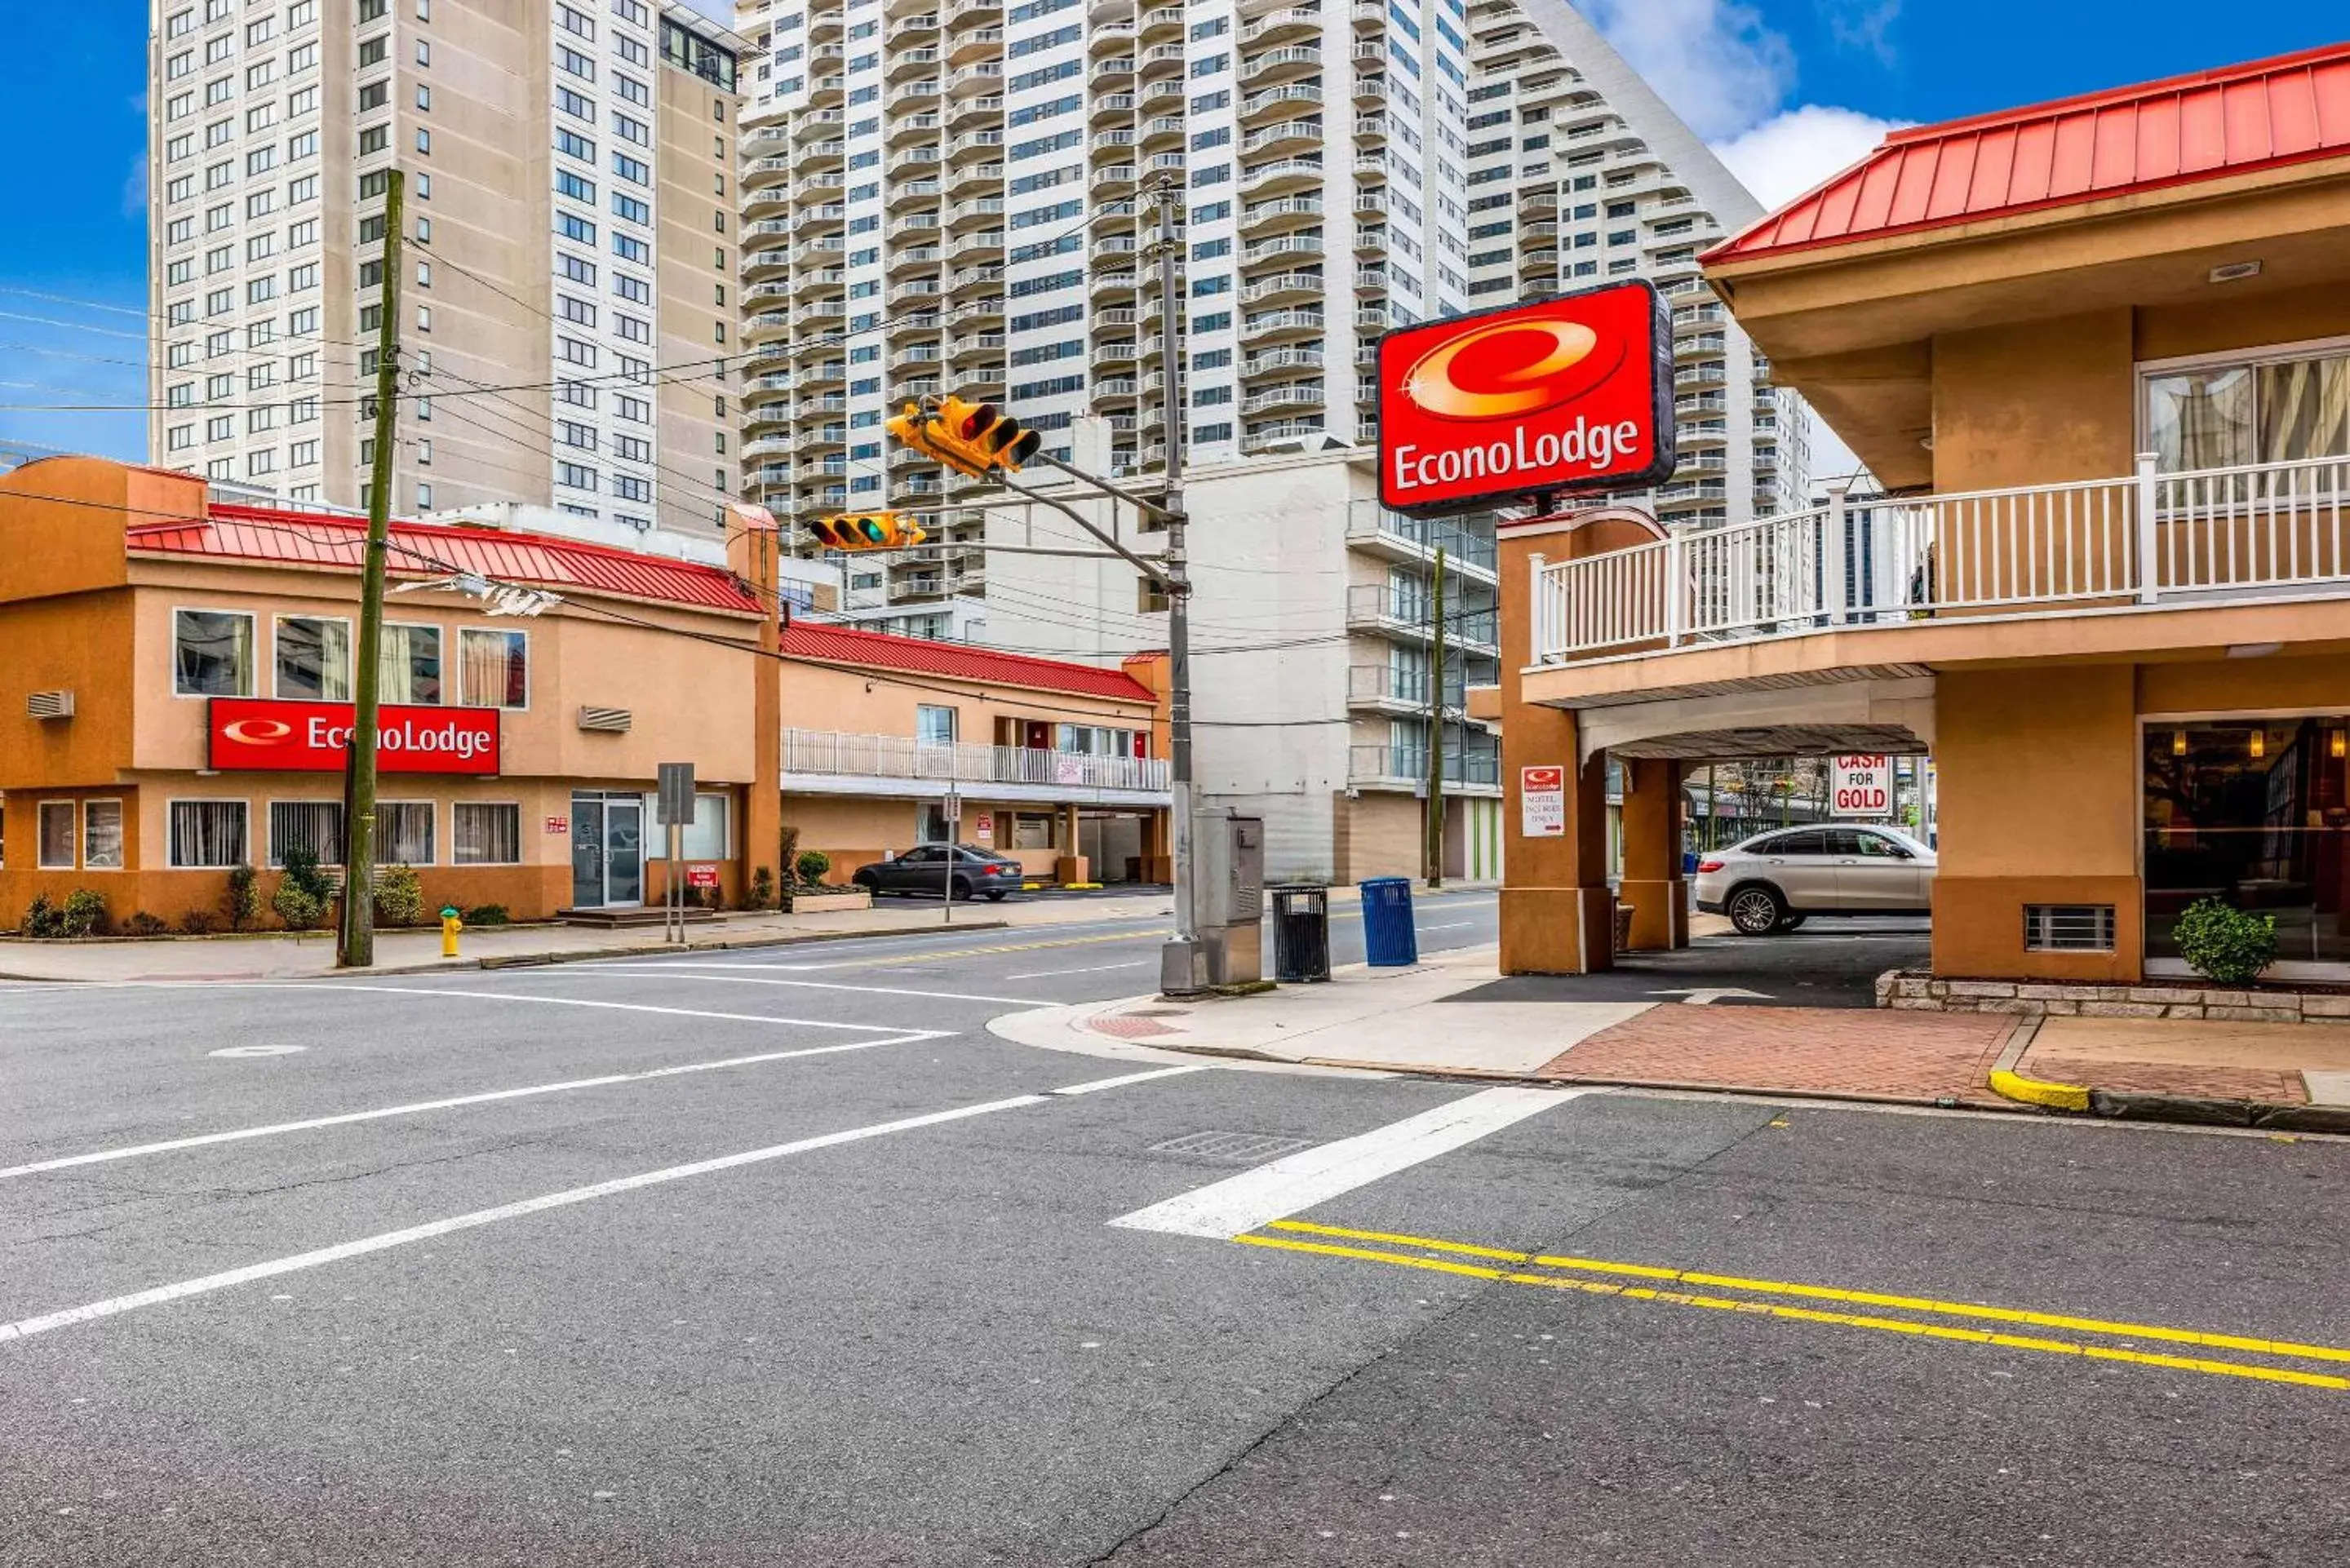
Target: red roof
{"x":432,"y":550}
{"x":2293,"y":108}
{"x":959,"y":661}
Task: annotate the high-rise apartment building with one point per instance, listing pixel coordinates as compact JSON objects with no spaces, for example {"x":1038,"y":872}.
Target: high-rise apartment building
{"x":958,"y":195}
{"x":1579,"y":175}
{"x":571,"y":227}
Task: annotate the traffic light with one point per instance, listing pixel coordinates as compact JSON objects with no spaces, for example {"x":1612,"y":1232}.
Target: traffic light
{"x":976,"y":437}
{"x":868,"y":531}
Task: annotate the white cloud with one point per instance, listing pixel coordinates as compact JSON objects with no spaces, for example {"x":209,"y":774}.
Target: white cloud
{"x":1790,"y":152}
{"x":1713,"y":61}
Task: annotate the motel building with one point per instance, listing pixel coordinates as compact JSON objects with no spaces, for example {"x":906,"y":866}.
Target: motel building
{"x":175,"y":698}
{"x":2097,"y":353}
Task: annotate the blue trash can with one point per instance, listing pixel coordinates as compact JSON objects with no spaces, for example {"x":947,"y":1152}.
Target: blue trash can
{"x":1390,"y":939}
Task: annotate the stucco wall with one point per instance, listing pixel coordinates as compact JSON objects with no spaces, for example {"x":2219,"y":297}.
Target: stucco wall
{"x":2035,"y":402}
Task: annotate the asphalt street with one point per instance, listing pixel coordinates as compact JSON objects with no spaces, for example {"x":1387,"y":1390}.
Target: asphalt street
{"x":782,"y":1258}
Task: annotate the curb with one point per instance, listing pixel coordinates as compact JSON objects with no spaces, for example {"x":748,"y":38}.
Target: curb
{"x":2186,"y":1110}
{"x":582,"y":955}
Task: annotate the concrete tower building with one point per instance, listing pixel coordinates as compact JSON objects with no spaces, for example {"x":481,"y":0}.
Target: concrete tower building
{"x":571,"y":245}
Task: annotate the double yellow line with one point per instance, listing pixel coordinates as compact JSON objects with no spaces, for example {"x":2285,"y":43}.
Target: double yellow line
{"x":1566,"y":1273}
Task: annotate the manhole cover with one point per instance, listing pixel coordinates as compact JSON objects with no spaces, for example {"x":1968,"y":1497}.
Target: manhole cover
{"x":1127,"y":1027}
{"x":1231,"y":1148}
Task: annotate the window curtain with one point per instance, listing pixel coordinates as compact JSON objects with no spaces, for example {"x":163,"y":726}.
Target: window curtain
{"x":410,"y":664}
{"x":2304,"y":409}
{"x":2202,"y":419}
{"x":213,"y":653}
{"x":101,"y":836}
{"x":492,"y":668}
{"x":313,"y":825}
{"x":403,"y":833}
{"x":486,"y":835}
{"x":207,"y":833}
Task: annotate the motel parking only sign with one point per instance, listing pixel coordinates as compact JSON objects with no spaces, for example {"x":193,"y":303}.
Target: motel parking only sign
{"x":1561,"y":395}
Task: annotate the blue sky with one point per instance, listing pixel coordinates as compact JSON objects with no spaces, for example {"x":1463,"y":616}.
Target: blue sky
{"x":1789,"y":90}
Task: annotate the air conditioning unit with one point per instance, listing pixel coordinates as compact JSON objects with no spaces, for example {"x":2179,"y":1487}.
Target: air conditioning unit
{"x":49,"y":704}
{"x":612,"y":721}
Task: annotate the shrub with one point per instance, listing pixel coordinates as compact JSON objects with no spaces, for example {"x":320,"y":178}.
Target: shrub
{"x":43,"y":919}
{"x":811,"y":866}
{"x":144,"y":923}
{"x":398,"y":896}
{"x":763,"y":890}
{"x":84,"y":914}
{"x":2225,"y":944}
{"x":199,"y":923}
{"x":487,"y":915}
{"x":242,"y":902}
{"x":304,"y":894}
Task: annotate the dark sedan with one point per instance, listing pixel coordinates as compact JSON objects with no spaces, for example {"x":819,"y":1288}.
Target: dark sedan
{"x":978,"y":873}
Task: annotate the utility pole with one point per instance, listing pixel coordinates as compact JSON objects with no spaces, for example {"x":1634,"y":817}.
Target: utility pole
{"x":355,"y":945}
{"x":1178,"y":966}
{"x":1435,"y":815}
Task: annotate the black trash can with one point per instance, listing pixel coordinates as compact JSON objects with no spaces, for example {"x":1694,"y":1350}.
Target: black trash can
{"x":1300,"y":932}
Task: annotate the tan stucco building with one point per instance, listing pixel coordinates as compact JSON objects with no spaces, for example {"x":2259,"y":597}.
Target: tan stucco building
{"x":173,"y":671}
{"x":2099,"y":353}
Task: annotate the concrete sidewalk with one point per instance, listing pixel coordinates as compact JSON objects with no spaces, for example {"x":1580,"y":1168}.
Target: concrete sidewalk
{"x":282,"y":956}
{"x":1430,"y":1019}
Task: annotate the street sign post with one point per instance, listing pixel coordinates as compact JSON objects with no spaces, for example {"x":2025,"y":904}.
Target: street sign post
{"x":673,"y":809}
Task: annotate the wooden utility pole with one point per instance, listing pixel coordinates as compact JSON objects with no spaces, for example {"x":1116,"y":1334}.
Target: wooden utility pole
{"x":355,"y":946}
{"x":1433,"y":858}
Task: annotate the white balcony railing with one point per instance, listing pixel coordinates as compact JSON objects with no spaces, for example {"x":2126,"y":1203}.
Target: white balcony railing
{"x":830,"y":753}
{"x":2151,"y":538}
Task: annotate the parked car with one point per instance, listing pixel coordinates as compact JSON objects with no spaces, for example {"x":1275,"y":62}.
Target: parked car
{"x":1774,"y":881}
{"x":977,"y":873}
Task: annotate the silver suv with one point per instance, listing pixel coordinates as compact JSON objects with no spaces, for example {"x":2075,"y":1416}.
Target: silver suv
{"x":1775,"y":880}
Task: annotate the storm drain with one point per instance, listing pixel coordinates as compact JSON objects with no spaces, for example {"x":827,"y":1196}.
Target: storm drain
{"x":1231,"y":1148}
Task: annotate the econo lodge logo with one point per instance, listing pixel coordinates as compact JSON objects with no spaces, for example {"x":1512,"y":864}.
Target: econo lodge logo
{"x":1559,"y":394}
{"x":256,"y":732}
{"x":251,"y":733}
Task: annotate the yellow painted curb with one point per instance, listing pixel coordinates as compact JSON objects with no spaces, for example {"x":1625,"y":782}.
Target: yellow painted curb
{"x":2032,"y":1092}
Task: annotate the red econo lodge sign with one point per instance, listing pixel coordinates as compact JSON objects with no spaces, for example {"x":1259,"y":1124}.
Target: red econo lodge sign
{"x":252,"y":733}
{"x":1566,"y":394}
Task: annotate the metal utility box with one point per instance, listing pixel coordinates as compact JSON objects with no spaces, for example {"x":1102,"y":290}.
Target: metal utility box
{"x":1229,"y":902}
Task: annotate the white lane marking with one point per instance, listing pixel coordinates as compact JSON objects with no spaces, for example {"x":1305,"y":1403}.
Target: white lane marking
{"x":1449,"y":926}
{"x":1089,"y":968}
{"x":584,"y":1002}
{"x":1298,"y":1183}
{"x":418,"y":1107}
{"x":1125,"y":1078}
{"x":815,"y":984}
{"x":256,"y":1051}
{"x":24,"y":1328}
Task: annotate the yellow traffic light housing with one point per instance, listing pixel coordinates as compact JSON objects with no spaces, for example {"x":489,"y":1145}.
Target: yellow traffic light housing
{"x":868,"y":531}
{"x":970,"y":438}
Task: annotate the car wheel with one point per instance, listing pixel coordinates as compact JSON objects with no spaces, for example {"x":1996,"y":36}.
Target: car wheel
{"x":1756,"y":911}
{"x":962,"y":890}
{"x":1790,"y":922}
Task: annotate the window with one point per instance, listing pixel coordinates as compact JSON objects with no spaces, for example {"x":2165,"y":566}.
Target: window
{"x":315,"y":826}
{"x":207,"y":835}
{"x":409,"y":666}
{"x":493,"y":667}
{"x":485,"y":834}
{"x":55,"y":845}
{"x":211,"y":653}
{"x":2281,"y":407}
{"x":403,"y":833}
{"x":313,"y":658}
{"x":934,"y":725}
{"x":705,"y":837}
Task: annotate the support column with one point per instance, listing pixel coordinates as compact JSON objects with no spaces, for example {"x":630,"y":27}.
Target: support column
{"x":1557,"y":914}
{"x":1653,"y":884}
{"x":1071,"y":866}
{"x":753,"y":548}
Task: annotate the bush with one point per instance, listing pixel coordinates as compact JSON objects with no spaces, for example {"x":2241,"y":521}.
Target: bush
{"x":487,"y":915}
{"x":762,"y":890}
{"x":199,"y":923}
{"x":143,"y":923}
{"x":810,"y":867}
{"x":84,"y":914}
{"x":398,"y":896}
{"x":242,"y":902}
{"x":43,"y":919}
{"x":304,"y":895}
{"x":2225,"y":944}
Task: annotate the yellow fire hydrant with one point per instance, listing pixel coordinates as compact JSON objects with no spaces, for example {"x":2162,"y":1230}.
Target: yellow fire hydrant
{"x":451,"y":924}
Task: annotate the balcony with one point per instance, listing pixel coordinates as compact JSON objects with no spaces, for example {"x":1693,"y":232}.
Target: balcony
{"x":1405,"y":767}
{"x":1385,"y":608}
{"x":1375,"y":531}
{"x":1384,"y":689}
{"x":824,"y":762}
{"x":2209,"y":539}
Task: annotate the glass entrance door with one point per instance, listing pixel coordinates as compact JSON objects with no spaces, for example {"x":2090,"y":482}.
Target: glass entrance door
{"x":587,"y":852}
{"x":2256,"y":812}
{"x":608,"y":850}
